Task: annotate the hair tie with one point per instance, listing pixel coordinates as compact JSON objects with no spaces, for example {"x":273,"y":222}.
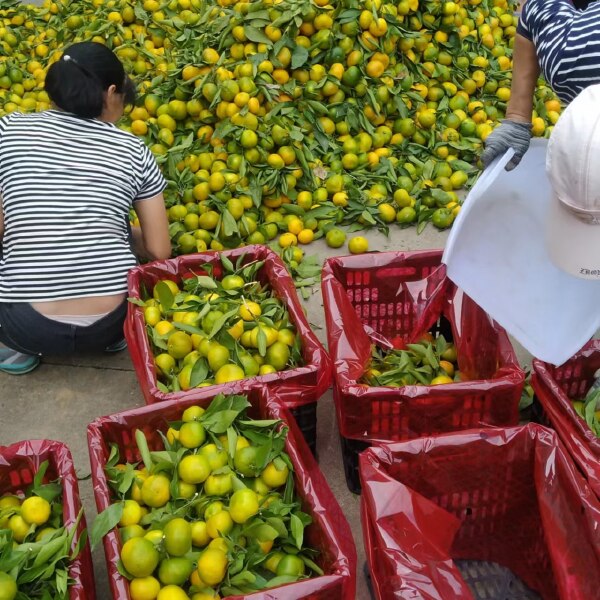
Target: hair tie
{"x":68,"y":58}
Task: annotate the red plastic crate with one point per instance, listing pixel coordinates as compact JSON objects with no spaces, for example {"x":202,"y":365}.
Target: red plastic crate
{"x":393,"y":297}
{"x":299,"y":388}
{"x":555,"y":387}
{"x":511,"y":496}
{"x":18,"y":465}
{"x":329,"y":532}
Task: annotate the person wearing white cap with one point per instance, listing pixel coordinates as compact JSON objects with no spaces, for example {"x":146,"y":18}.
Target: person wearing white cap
{"x":573,"y":224}
{"x":562,"y":41}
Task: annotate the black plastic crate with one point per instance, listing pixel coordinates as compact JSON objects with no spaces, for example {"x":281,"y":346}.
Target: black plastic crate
{"x":306,"y":419}
{"x":350,"y":451}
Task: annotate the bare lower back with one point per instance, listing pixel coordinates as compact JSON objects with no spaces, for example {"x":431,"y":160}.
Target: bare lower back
{"x":93,"y":305}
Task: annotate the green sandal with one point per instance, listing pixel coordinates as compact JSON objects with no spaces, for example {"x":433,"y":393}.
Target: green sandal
{"x":17,"y":363}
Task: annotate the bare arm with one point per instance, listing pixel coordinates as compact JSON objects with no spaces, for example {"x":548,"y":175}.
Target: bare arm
{"x":152,"y":239}
{"x":526,"y":70}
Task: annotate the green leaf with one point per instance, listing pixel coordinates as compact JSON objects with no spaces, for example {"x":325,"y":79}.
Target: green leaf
{"x":418,"y":349}
{"x":199,"y":372}
{"x":428,"y":169}
{"x":38,"y":478}
{"x":220,"y":322}
{"x":261,"y":531}
{"x":282,"y":580}
{"x":368,"y":217}
{"x":140,"y":13}
{"x":81,"y":542}
{"x":127,"y":479}
{"x":288,"y":493}
{"x":231,"y":441}
{"x":242,"y":578}
{"x":312,"y":565}
{"x":113,"y":458}
{"x":430,"y":357}
{"x":222,"y":411}
{"x":188,"y":328}
{"x":254,"y":35}
{"x":61,"y":579}
{"x":299,"y":57}
{"x":49,"y":491}
{"x":227,"y":264}
{"x":590,"y":409}
{"x":441,"y":196}
{"x":142,"y":445}
{"x":106,"y":521}
{"x":297,"y":530}
{"x":137,"y":302}
{"x":262,"y":341}
{"x":205,"y":282}
{"x":279,"y":526}
{"x":526,"y":399}
{"x":261,"y":423}
{"x":52,"y":548}
{"x":229,"y":224}
{"x":165,"y":296}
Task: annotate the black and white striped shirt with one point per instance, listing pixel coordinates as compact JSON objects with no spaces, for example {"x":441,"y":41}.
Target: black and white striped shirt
{"x":567,"y":42}
{"x":67,"y":185}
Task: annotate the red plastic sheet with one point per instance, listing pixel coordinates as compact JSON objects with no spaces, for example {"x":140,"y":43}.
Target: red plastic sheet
{"x":329,"y":533}
{"x":556,"y":387}
{"x":297,"y":387}
{"x":18,"y":465}
{"x":393,"y":298}
{"x":511,"y":496}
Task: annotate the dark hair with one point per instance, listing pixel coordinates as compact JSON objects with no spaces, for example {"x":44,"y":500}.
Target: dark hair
{"x":77,"y":81}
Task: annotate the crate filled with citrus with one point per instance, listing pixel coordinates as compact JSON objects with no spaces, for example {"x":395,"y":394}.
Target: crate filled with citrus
{"x":44,"y":552}
{"x":216,"y":499}
{"x":412,"y":354}
{"x":218,"y":319}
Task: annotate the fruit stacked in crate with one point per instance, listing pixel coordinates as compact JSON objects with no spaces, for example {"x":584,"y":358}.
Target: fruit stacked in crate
{"x":44,"y":552}
{"x":412,"y":354}
{"x":215,"y":496}
{"x":214,"y":319}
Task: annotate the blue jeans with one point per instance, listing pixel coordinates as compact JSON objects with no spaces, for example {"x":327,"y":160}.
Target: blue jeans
{"x":24,"y":329}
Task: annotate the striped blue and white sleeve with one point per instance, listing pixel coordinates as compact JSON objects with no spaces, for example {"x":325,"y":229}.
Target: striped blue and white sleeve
{"x":152,"y":181}
{"x":4,"y":123}
{"x":538,"y":15}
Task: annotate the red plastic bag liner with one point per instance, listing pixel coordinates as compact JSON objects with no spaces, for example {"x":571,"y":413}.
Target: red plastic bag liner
{"x":297,"y":387}
{"x":18,"y":465}
{"x":390,"y":299}
{"x":329,"y":533}
{"x":556,"y":387}
{"x":507,"y":495}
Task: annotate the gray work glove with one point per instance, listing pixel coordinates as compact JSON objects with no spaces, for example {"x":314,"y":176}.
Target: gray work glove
{"x":509,"y":134}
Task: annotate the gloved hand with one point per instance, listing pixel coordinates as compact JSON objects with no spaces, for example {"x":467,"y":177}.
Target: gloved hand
{"x":509,"y":134}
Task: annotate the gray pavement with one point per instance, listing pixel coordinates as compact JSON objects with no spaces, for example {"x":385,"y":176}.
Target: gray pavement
{"x":60,"y":398}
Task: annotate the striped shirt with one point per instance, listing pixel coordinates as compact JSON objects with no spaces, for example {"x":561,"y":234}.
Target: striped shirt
{"x":67,"y":185}
{"x":567,"y":43}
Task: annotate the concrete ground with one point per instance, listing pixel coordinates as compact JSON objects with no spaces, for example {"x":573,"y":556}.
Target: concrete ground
{"x":60,"y":398}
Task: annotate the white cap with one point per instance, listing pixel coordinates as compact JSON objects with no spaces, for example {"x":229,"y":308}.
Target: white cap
{"x":573,"y":168}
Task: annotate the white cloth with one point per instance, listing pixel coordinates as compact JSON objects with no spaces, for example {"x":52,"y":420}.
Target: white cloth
{"x":78,"y":320}
{"x":496,"y":253}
